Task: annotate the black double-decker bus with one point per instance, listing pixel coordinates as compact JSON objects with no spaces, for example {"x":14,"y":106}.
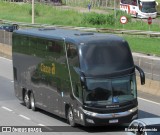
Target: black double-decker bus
{"x":87,"y":78}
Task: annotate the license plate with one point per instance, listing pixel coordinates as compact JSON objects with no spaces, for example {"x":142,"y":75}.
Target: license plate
{"x":113,"y":121}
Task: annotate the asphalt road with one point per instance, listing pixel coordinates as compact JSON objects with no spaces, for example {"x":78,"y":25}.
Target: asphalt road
{"x":14,"y":113}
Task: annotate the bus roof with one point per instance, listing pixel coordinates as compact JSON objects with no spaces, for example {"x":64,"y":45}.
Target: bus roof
{"x":75,"y":36}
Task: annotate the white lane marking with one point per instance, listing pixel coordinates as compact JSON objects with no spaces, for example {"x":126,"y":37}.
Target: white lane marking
{"x":149,"y":101}
{"x":41,"y":125}
{"x":7,"y":109}
{"x":5,"y":58}
{"x":25,"y":117}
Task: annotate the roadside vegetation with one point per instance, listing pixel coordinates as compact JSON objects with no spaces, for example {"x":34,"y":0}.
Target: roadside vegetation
{"x":45,"y":14}
{"x":141,"y":44}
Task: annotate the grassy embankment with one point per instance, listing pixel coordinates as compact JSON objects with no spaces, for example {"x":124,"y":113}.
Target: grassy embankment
{"x":53,"y":15}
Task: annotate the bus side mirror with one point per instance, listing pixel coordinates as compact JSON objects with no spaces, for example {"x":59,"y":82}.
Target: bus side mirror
{"x":142,"y":74}
{"x":83,"y":79}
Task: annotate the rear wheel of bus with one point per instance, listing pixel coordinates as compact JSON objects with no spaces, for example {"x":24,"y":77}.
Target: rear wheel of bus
{"x":33,"y":107}
{"x":70,"y":117}
{"x":27,"y":100}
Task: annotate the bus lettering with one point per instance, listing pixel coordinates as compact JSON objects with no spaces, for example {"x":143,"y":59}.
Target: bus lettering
{"x":48,"y":69}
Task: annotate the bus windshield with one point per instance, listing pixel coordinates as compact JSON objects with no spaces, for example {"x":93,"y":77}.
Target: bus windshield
{"x":149,"y":7}
{"x":110,"y":91}
{"x":101,"y":58}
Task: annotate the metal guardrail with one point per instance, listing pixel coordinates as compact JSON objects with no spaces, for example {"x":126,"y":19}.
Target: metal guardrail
{"x":5,"y":37}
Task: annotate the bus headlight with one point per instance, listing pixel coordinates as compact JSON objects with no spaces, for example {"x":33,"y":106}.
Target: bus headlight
{"x":133,"y":109}
{"x":89,"y":113}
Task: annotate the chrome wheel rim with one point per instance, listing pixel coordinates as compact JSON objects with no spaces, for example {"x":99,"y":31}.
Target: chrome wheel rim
{"x":26,"y":98}
{"x":70,"y":116}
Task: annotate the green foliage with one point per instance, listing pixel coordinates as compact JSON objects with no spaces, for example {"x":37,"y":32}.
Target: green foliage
{"x":94,"y":18}
{"x":102,"y":19}
{"x":120,"y":13}
{"x":158,"y":8}
{"x":143,"y":44}
{"x":48,"y":14}
{"x":36,"y":12}
{"x":110,"y":19}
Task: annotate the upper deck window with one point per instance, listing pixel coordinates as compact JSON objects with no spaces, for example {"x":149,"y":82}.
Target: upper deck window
{"x":101,"y":57}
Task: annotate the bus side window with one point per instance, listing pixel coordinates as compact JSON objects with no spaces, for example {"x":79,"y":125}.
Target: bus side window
{"x":33,"y":46}
{"x":22,"y":45}
{"x":55,"y":51}
{"x":72,"y":55}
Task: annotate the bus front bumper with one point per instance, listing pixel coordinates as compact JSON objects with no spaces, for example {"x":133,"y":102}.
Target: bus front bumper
{"x":92,"y":118}
{"x":146,"y":16}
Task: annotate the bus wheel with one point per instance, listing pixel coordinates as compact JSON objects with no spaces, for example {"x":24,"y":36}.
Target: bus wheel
{"x":27,"y":100}
{"x":70,"y":117}
{"x":32,"y":99}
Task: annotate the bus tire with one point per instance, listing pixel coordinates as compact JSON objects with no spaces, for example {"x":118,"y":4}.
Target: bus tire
{"x":27,"y":100}
{"x":32,"y":99}
{"x":70,"y":117}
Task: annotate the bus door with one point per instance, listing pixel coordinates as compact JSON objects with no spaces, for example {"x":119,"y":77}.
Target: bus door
{"x":76,"y":93}
{"x":77,"y":101}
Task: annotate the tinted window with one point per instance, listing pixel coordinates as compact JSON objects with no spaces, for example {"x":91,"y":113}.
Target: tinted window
{"x":99,"y":58}
{"x":20,"y":44}
{"x":148,"y":7}
{"x":72,"y":55}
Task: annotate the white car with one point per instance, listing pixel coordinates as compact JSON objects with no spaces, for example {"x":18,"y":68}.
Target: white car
{"x":145,"y":126}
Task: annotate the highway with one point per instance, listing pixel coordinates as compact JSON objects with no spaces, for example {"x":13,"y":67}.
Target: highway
{"x":14,"y":113}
